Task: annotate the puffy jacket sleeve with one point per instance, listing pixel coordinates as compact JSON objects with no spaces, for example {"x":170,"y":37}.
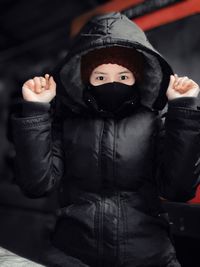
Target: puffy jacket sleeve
{"x":37,"y":137}
{"x":178,"y":153}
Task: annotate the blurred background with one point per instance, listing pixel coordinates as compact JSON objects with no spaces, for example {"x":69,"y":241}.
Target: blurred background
{"x":35,"y":36}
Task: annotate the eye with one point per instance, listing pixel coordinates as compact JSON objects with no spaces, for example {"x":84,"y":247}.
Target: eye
{"x":123,"y":77}
{"x":101,"y":78}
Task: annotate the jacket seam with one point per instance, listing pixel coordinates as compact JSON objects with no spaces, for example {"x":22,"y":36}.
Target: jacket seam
{"x":118,"y":226}
{"x":184,"y":109}
{"x":100,"y":246}
{"x":97,"y":219}
{"x":125,"y":229}
{"x":28,"y":122}
{"x":19,"y":118}
{"x":35,"y":124}
{"x":96,"y":228}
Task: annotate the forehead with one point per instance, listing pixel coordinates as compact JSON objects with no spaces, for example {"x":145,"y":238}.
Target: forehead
{"x":107,"y":68}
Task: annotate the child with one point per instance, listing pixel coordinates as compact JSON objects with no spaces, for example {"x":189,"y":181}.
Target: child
{"x":108,"y":146}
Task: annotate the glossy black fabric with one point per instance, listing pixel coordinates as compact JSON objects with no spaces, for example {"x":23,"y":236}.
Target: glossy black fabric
{"x":111,"y":169}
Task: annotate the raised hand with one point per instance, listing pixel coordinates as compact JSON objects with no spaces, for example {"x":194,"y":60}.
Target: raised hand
{"x":39,"y":89}
{"x":181,"y":86}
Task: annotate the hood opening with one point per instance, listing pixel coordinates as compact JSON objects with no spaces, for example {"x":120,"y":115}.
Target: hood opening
{"x":107,"y":31}
{"x":70,"y":76}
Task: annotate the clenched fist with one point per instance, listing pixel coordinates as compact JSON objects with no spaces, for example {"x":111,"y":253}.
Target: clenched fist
{"x":39,"y":89}
{"x":181,"y":86}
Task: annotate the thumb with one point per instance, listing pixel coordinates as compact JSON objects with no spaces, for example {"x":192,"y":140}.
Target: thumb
{"x":172,"y":80}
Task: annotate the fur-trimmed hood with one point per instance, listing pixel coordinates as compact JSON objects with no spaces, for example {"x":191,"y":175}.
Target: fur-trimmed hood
{"x":112,"y":29}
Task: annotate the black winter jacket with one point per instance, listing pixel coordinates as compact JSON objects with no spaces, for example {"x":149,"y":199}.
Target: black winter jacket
{"x":111,"y":170}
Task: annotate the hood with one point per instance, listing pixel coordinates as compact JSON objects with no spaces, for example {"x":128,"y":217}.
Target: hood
{"x":112,"y":29}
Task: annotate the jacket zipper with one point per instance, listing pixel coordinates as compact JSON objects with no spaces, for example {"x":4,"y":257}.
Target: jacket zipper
{"x":101,"y":203}
{"x":100,"y":149}
{"x":115,"y":188}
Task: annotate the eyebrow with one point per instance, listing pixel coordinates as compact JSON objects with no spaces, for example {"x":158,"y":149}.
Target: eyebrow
{"x":99,"y":72}
{"x":126,"y":71}
{"x":122,"y":72}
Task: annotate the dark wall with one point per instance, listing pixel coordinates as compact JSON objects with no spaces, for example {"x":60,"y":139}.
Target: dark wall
{"x":179,"y":43}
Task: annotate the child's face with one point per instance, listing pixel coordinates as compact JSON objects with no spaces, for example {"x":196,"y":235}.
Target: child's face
{"x":107,"y":73}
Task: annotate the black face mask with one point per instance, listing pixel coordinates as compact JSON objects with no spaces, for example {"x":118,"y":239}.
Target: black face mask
{"x":110,"y":96}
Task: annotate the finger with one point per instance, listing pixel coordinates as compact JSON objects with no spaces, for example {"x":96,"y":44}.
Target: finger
{"x":47,"y":76}
{"x":187,"y":85}
{"x":184,"y":89}
{"x":37,"y":84}
{"x":29,"y":85}
{"x":194,"y":83}
{"x":43,"y":83}
{"x":172,"y":80}
{"x":176,"y":79}
{"x":178,"y":83}
{"x":47,"y":80}
{"x":52,"y":84}
{"x":182,"y":81}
